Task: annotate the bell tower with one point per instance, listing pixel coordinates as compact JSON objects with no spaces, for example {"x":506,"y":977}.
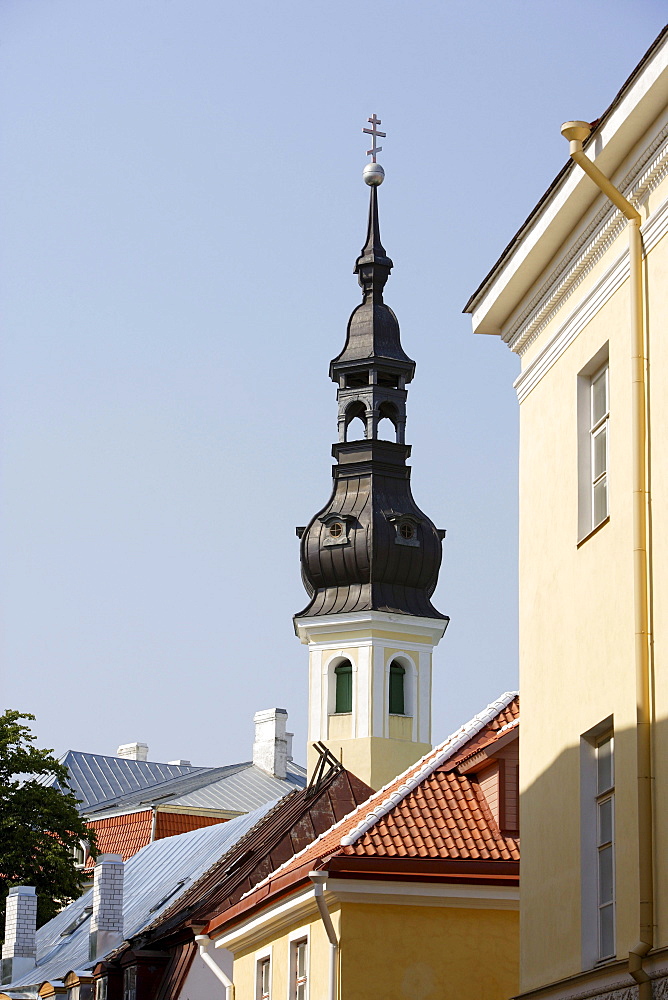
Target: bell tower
{"x":370,"y":558}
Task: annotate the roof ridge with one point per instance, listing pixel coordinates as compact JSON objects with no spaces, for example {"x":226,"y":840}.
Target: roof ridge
{"x":467,"y":731}
{"x":434,"y":759}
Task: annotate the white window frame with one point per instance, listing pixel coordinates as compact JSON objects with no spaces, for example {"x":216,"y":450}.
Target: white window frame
{"x":262,"y":957}
{"x":588,"y":430}
{"x":599,"y":427}
{"x":605,"y":795}
{"x":592,"y":797}
{"x":297,"y":937}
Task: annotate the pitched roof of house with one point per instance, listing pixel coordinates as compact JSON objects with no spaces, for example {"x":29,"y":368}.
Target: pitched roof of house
{"x":154,"y":878}
{"x":96,"y":778}
{"x":291,"y":825}
{"x":430,"y":812}
{"x":233,"y":788}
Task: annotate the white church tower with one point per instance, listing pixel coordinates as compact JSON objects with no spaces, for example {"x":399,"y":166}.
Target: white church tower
{"x":370,"y":558}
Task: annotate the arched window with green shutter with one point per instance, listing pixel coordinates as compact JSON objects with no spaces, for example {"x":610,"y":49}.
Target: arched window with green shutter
{"x":344,"y":687}
{"x":397,"y":676}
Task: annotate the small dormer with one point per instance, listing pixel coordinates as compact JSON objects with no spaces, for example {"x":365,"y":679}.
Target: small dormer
{"x":496,"y":770}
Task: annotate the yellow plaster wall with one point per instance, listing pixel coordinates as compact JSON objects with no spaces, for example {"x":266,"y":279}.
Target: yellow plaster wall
{"x":245,"y":960}
{"x":372,"y":758}
{"x":397,"y":953}
{"x":576,"y":631}
{"x":428,"y":953}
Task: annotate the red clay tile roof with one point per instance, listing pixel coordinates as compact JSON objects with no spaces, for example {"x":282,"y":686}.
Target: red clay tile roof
{"x":427,"y":812}
{"x":446,"y":816}
{"x":170,"y":824}
{"x":125,"y":835}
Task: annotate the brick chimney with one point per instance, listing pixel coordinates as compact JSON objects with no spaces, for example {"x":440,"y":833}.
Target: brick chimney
{"x":133,"y":751}
{"x":106,"y":922}
{"x":19,"y":950}
{"x":273,"y":745}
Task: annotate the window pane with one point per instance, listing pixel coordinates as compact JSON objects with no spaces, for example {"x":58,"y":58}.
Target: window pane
{"x":301,"y":991}
{"x":605,"y":875}
{"x":605,"y":822}
{"x":599,"y":397}
{"x":301,"y":960}
{"x":599,"y":458}
{"x":397,"y":674}
{"x":600,"y":502}
{"x":606,"y":931}
{"x":344,"y":687}
{"x":604,"y":765}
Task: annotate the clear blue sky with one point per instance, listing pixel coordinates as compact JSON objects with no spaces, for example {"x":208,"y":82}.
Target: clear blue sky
{"x":182,"y":208}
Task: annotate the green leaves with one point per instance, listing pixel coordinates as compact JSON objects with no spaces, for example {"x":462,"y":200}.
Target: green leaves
{"x":39,"y":823}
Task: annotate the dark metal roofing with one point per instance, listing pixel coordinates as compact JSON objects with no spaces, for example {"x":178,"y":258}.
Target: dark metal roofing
{"x":566,"y":169}
{"x":375,"y":570}
{"x":371,"y":548}
{"x":96,"y":778}
{"x":279,"y":834}
{"x":236,"y":787}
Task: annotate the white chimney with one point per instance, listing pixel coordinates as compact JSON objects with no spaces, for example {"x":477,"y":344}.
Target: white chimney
{"x":133,"y":751}
{"x":106,"y":922}
{"x":273,"y":746}
{"x":19,"y":950}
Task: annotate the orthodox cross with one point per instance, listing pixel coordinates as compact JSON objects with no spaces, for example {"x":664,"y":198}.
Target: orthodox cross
{"x":373,"y":131}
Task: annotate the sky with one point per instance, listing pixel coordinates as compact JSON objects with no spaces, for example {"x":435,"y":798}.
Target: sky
{"x":182,"y":206}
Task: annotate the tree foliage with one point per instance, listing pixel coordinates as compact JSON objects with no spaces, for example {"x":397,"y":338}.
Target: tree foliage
{"x":39,"y":823}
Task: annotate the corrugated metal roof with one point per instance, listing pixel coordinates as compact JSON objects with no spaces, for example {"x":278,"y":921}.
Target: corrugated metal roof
{"x":237,"y":788}
{"x":151,"y":878}
{"x":95,"y":778}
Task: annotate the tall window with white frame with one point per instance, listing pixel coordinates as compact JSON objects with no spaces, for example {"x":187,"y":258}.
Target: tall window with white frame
{"x":263,"y":991}
{"x":299,"y":970}
{"x":605,"y":843}
{"x":599,"y":416}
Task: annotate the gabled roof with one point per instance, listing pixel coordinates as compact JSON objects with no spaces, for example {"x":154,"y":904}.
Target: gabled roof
{"x":153,"y":879}
{"x":291,"y":825}
{"x":234,"y":788}
{"x":428,"y":813}
{"x":96,"y":778}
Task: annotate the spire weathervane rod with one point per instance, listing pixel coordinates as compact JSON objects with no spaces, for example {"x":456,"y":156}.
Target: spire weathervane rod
{"x":375,"y":134}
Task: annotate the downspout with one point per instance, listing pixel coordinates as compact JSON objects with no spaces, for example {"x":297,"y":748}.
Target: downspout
{"x":318,"y":879}
{"x":576,"y":133}
{"x":154,"y":823}
{"x":203,"y":940}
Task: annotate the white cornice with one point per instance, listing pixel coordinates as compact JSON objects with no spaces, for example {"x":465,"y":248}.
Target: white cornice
{"x":311,"y":629}
{"x":270,"y":921}
{"x":471,"y":897}
{"x":615,"y":276}
{"x":633,"y":122}
{"x":644,"y":177}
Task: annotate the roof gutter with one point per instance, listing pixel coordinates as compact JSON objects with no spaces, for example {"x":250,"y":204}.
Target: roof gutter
{"x":203,"y":940}
{"x":319,"y":879}
{"x":576,"y":133}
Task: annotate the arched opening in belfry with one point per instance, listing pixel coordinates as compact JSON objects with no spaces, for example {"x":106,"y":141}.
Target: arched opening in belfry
{"x":387,"y":422}
{"x":355,"y":412}
{"x":397,"y":692}
{"x":343,"y":700}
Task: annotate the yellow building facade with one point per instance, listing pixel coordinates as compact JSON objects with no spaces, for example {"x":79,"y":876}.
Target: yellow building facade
{"x":587,"y":315}
{"x":414,"y":894}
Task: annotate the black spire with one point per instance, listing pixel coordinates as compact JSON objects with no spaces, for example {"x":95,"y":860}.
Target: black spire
{"x":371,"y":548}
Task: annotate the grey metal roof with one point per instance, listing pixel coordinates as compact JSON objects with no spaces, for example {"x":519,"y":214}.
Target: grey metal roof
{"x":95,"y":778}
{"x":246,"y":788}
{"x":236,"y":788}
{"x":150,"y":880}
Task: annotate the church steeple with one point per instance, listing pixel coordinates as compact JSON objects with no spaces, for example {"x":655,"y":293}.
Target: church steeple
{"x":370,"y":558}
